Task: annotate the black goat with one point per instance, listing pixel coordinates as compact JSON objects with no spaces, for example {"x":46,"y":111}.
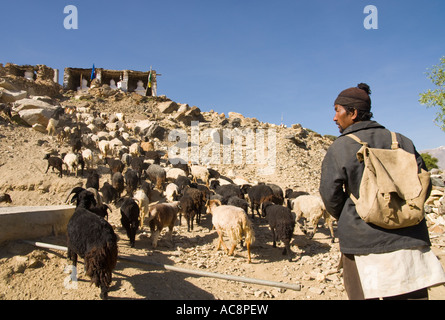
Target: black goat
{"x":281,"y":223}
{"x":229,"y":190}
{"x":101,"y":210}
{"x":257,"y":195}
{"x":92,"y":180}
{"x":237,"y":202}
{"x":189,"y":208}
{"x":118,"y":183}
{"x":109,"y":193}
{"x":93,"y":239}
{"x":131,"y":181}
{"x":115,"y":165}
{"x":54,"y":162}
{"x":129,"y":217}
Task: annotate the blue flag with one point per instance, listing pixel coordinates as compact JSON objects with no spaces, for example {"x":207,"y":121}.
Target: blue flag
{"x":93,"y":72}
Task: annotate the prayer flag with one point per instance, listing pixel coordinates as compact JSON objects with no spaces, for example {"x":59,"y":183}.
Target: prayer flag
{"x":93,"y":72}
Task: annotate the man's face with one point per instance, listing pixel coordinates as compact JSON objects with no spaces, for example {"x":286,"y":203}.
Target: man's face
{"x":342,"y":118}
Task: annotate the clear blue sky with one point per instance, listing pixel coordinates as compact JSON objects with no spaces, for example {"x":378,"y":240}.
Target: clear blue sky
{"x":266,"y":59}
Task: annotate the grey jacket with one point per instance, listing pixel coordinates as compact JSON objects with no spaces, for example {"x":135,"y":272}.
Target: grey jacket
{"x":342,"y":172}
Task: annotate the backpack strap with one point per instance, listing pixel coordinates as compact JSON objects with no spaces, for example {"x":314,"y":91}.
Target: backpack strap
{"x":354,"y":137}
{"x":394,"y":142}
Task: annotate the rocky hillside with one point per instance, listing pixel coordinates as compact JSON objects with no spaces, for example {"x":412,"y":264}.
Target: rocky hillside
{"x":289,"y":157}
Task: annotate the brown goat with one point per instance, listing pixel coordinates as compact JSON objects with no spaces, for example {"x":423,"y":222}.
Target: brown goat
{"x":162,"y":215}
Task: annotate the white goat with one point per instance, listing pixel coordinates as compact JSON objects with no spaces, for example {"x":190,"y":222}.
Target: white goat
{"x":88,"y":157}
{"x":135,"y":150}
{"x":142,"y":200}
{"x":233,"y":222}
{"x":71,"y":161}
{"x":171,"y":192}
{"x":174,"y":173}
{"x":51,"y":127}
{"x":200,"y":172}
{"x":310,"y":207}
{"x":104,"y":147}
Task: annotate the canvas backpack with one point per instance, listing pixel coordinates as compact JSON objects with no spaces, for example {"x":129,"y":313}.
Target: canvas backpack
{"x":392,"y":193}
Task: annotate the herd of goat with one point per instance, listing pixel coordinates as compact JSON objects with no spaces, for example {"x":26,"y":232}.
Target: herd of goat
{"x":137,"y":170}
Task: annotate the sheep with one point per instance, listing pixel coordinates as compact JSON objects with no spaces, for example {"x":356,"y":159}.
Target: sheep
{"x":173,"y":173}
{"x":182,"y":182}
{"x":281,"y":223}
{"x":162,"y":215}
{"x":115,"y":165}
{"x":189,"y":209}
{"x":290,"y":194}
{"x":147,"y":145}
{"x":146,"y":187}
{"x":200,"y":172}
{"x":137,"y":164}
{"x":131,"y":181}
{"x":75,"y":143}
{"x":234,"y":222}
{"x":126,"y":159}
{"x":54,"y":162}
{"x":135,"y":150}
{"x":51,"y":127}
{"x":130,"y":217}
{"x":157,"y":175}
{"x":257,"y":195}
{"x":81,"y":163}
{"x":171,"y":192}
{"x":142,"y":200}
{"x":4,"y":197}
{"x":88,"y":157}
{"x":92,"y":180}
{"x":153,"y":156}
{"x":311,"y":207}
{"x":101,"y":210}
{"x":71,"y":161}
{"x":93,"y":239}
{"x":277,"y":193}
{"x":229,"y":190}
{"x":109,"y":193}
{"x":198,"y":198}
{"x":237,"y":202}
{"x":118,"y":183}
{"x":104,"y":148}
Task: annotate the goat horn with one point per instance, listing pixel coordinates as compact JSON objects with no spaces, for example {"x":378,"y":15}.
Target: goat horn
{"x":73,"y":190}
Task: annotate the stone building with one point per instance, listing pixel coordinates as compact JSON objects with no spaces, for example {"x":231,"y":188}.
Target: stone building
{"x":126,"y":80}
{"x":37,"y":72}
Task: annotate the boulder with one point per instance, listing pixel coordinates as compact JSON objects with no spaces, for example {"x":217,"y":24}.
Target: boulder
{"x":24,"y":104}
{"x":186,"y":115}
{"x":12,"y":96}
{"x":156,"y":131}
{"x":4,"y":83}
{"x":150,"y":129}
{"x":167,"y":107}
{"x":36,"y":116}
{"x":35,"y":111}
{"x":234,"y":115}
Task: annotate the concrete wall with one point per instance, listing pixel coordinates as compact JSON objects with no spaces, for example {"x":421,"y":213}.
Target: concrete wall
{"x":33,"y":222}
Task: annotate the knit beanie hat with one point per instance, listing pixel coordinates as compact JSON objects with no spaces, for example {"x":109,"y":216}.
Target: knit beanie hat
{"x":357,"y":97}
